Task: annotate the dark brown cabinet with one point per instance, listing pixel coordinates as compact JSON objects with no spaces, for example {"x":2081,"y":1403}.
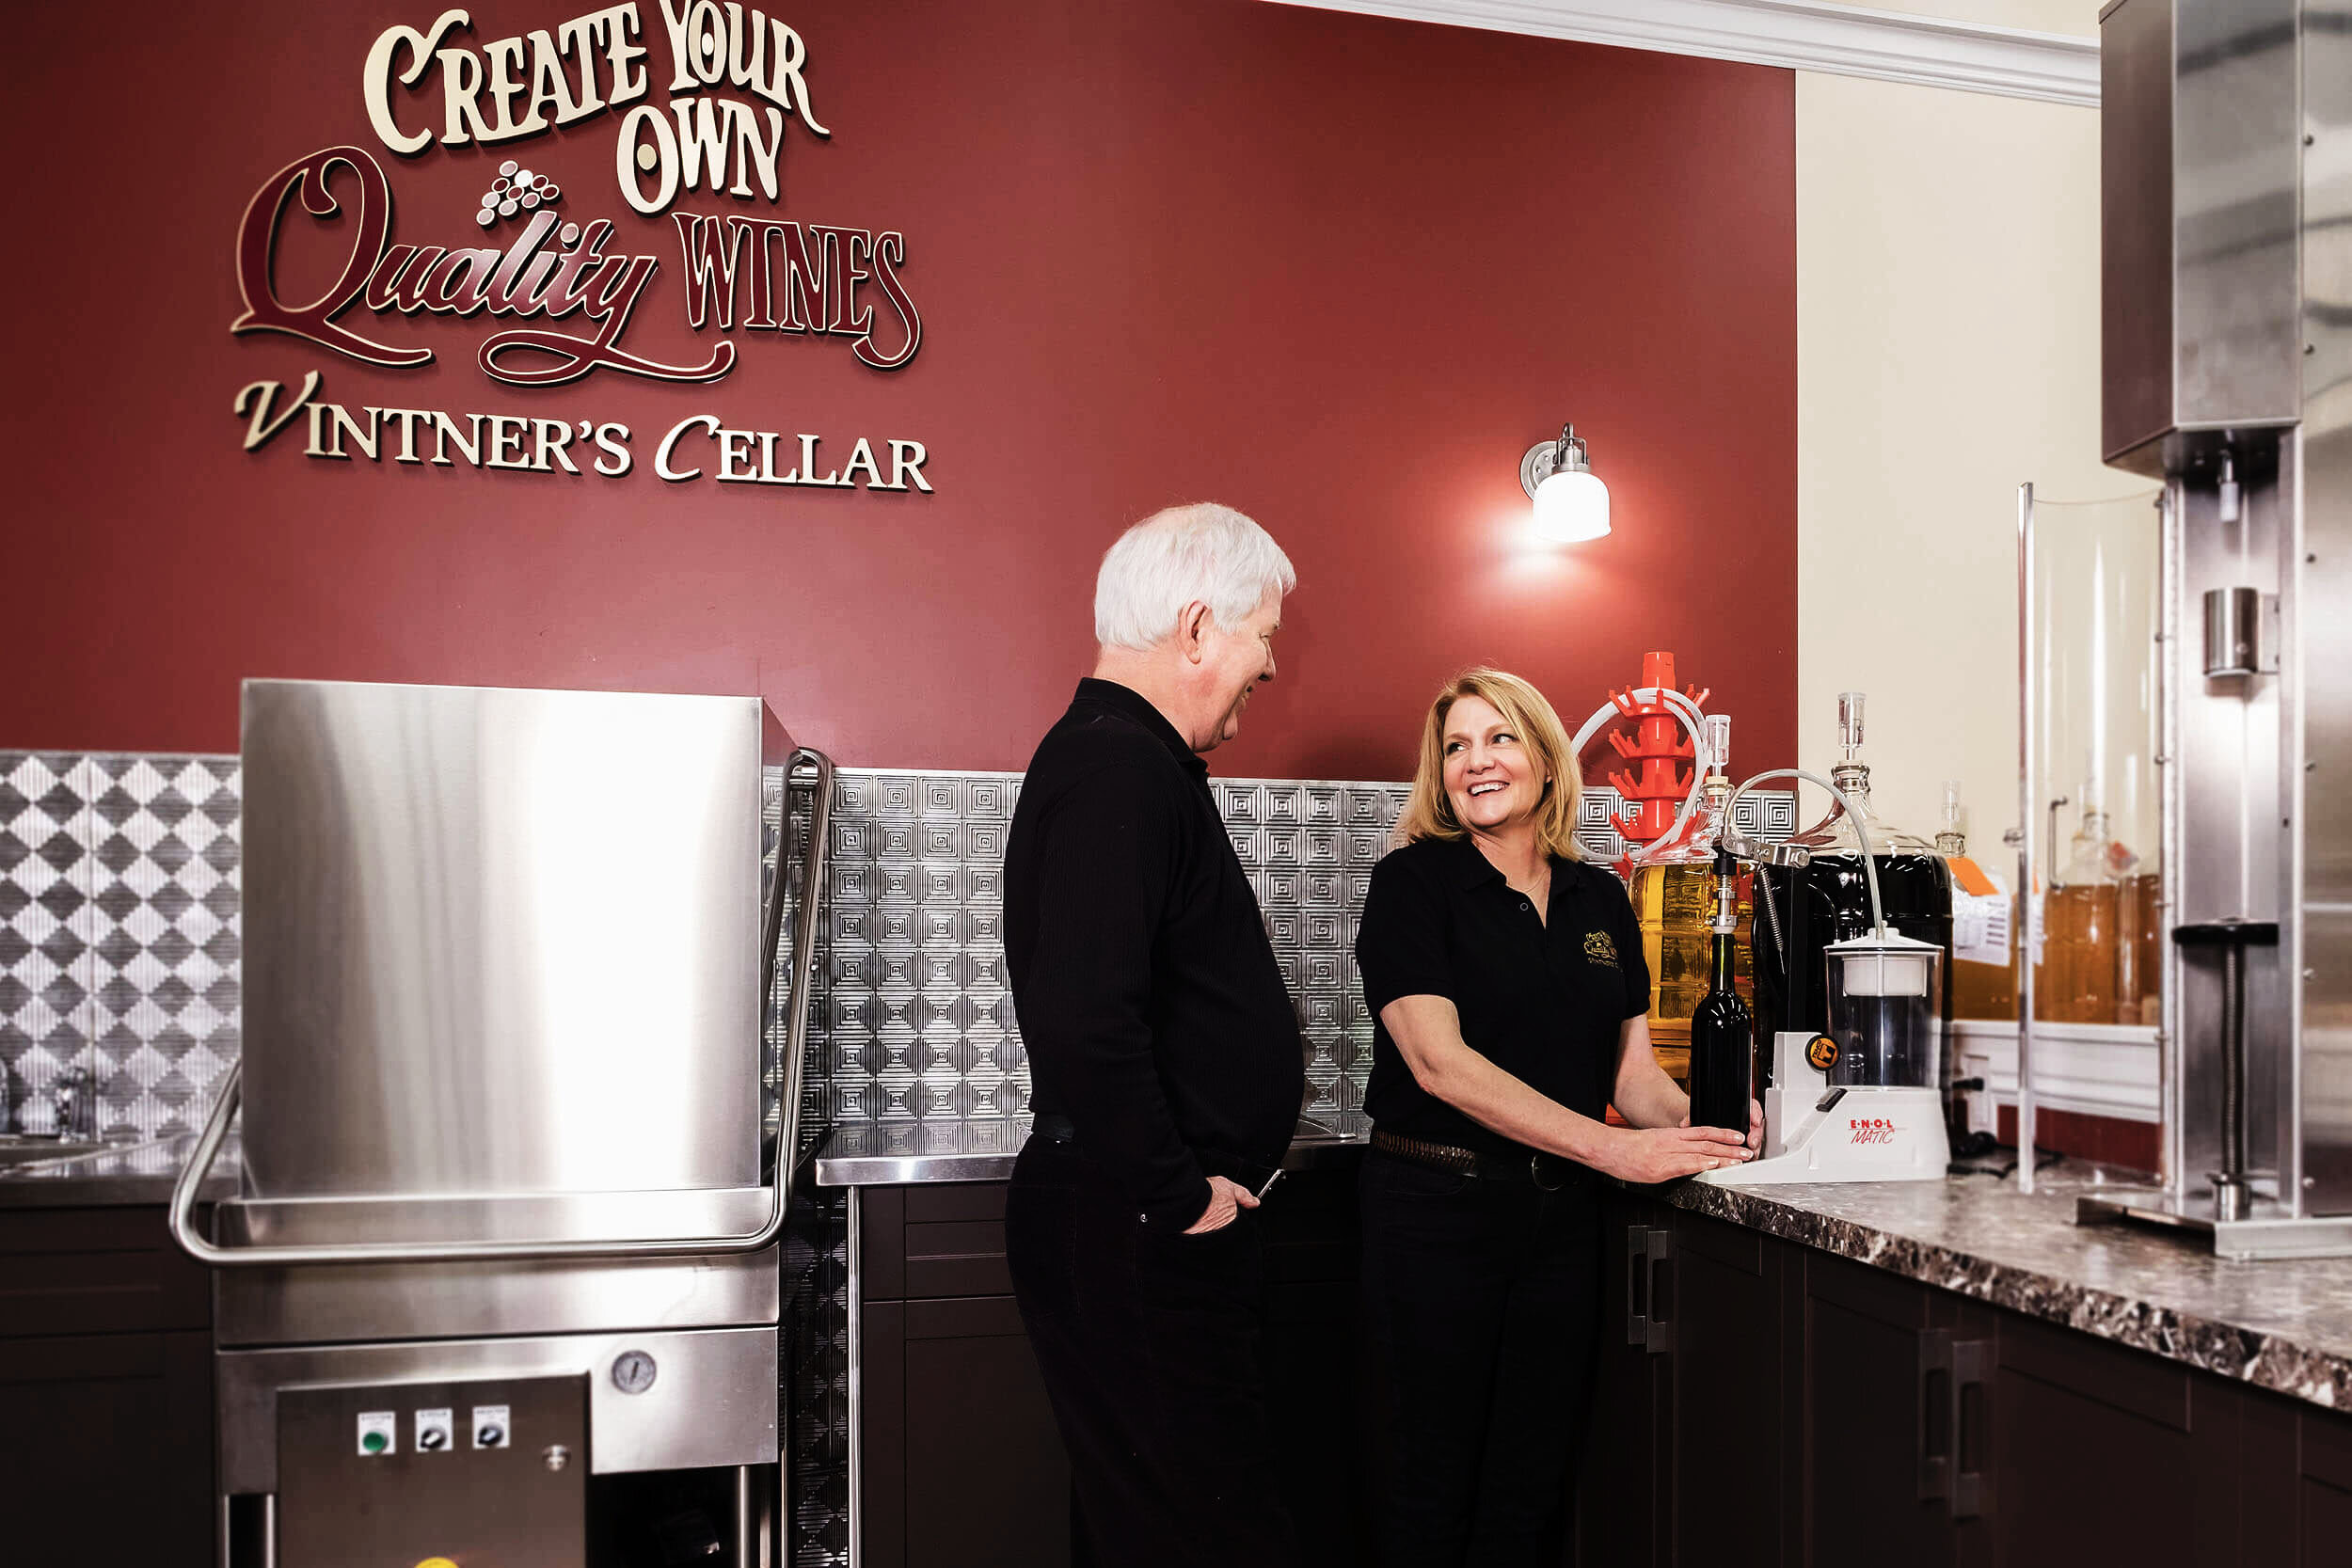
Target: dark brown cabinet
{"x":2152,"y":1461}
{"x":1725,"y":1305}
{"x":1887,"y":1376}
{"x":1622,"y":1488}
{"x":1687,"y":1458}
{"x":105,"y":1389}
{"x":2321,"y":1504}
{"x":960,"y":1465}
{"x":1757,"y":1402}
{"x":1763,"y":1399}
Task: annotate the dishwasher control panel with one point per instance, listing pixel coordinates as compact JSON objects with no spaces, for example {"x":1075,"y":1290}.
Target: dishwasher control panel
{"x":473,"y":1471}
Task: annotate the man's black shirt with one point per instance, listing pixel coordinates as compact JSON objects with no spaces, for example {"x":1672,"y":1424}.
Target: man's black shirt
{"x":1542,"y":999}
{"x":1148,"y":995}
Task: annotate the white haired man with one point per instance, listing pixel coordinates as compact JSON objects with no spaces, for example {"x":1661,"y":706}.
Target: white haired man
{"x":1164,"y":1057}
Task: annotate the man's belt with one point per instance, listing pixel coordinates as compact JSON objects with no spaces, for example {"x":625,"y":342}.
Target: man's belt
{"x":1055,"y":1129}
{"x":1547,"y":1171}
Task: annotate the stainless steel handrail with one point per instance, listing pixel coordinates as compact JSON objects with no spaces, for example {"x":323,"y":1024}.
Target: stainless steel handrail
{"x":818,"y":775}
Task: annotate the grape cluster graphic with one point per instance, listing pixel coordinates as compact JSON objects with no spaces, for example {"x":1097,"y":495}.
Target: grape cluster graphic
{"x":516,"y":190}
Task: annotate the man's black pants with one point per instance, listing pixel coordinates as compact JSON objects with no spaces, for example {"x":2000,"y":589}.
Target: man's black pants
{"x":1148,"y":1345}
{"x":1481,"y":1301}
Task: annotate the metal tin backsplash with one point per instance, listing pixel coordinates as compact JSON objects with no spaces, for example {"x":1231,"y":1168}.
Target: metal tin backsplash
{"x":918,"y":1024}
{"x":120,"y":939}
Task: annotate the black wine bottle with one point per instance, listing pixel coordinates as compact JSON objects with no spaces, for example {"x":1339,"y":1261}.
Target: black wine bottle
{"x":1722,"y":1030}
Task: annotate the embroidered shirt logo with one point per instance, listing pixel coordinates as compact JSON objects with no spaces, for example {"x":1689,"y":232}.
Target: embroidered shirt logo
{"x":1600,"y":949}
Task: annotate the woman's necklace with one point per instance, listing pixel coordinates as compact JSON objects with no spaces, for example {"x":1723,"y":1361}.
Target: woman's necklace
{"x":1538,"y":889}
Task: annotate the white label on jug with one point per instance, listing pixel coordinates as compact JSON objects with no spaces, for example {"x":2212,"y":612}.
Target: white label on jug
{"x":1980,"y":929}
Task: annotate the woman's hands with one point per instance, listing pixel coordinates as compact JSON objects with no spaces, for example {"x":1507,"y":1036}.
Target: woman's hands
{"x":1645,"y":1155}
{"x":1428,"y":1033}
{"x":1648,"y":1155}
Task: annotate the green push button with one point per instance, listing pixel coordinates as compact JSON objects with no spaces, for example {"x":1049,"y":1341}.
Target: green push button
{"x":378,"y":1433}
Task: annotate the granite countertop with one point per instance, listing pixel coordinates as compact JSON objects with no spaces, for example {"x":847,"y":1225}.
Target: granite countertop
{"x":2285,"y":1325}
{"x":132,"y":1174}
{"x":891,"y":1154}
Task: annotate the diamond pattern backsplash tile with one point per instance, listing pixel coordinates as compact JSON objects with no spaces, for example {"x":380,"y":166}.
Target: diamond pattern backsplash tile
{"x":119,"y":935}
{"x":166,"y":936}
{"x":44,"y":962}
{"x":918,"y":1022}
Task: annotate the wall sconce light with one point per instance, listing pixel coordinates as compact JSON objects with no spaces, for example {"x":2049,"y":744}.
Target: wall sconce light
{"x":1572,"y":502}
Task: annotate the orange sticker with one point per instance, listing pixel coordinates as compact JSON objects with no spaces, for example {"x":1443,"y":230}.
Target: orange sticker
{"x":1822,"y":1052}
{"x":1971,"y":876}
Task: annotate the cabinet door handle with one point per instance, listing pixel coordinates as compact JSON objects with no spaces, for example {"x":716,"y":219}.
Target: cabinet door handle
{"x":1657,"y":1253}
{"x":1936,"y":1424}
{"x":1972,"y":1486}
{"x":1636,"y":1285}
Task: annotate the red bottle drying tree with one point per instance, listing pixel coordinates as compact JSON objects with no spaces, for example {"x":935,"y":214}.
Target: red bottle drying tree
{"x":1657,"y":783}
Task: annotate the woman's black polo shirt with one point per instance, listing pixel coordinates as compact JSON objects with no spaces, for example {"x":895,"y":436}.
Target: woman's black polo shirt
{"x":1542,"y":999}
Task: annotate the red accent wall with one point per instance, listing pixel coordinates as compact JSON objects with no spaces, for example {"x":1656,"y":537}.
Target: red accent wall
{"x":1337,"y":270}
{"x":2105,"y":1140}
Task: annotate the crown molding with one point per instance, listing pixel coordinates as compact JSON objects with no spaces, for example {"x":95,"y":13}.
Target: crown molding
{"x":1799,"y":35}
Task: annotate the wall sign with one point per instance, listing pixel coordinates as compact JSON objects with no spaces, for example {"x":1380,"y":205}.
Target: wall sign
{"x":701,"y":112}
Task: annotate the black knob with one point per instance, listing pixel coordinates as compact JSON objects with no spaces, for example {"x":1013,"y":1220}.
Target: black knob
{"x":432,"y":1439}
{"x":489,"y":1436}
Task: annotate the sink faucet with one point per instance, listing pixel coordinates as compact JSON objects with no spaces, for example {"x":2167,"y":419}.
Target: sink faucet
{"x":69,"y":1102}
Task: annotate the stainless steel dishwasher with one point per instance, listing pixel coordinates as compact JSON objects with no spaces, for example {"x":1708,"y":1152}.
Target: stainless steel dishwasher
{"x":510,"y":1196}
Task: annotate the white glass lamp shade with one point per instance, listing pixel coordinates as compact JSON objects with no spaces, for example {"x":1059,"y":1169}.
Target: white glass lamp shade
{"x":1571,"y":505}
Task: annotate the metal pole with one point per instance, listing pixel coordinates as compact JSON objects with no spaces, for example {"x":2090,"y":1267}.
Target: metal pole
{"x":2173,"y":1166}
{"x":746,"y":1515}
{"x":2229,"y":1194}
{"x":2025,"y":782}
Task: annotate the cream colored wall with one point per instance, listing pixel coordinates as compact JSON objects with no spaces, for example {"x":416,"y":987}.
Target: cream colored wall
{"x":1947,"y":349}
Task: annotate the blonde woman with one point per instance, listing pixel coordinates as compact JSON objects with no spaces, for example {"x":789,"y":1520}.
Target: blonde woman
{"x":1510,"y":995}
